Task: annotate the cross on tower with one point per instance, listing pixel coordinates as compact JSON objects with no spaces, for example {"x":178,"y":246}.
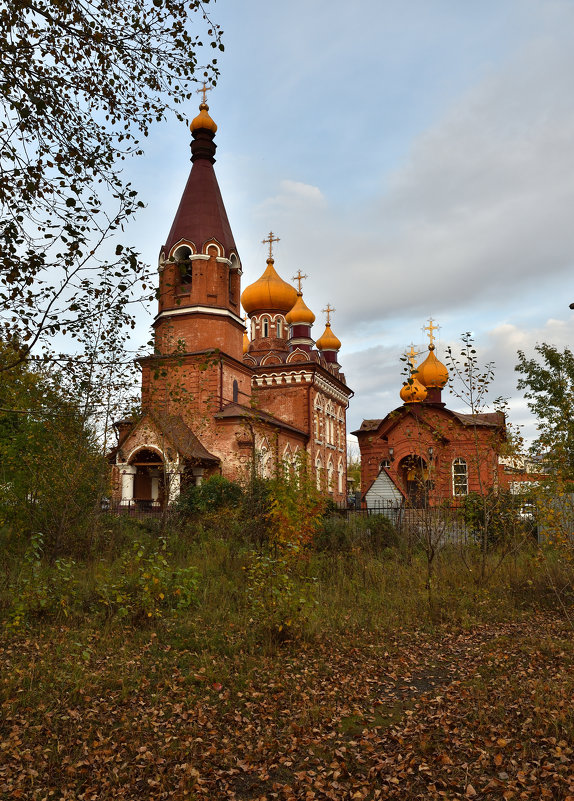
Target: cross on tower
{"x":328,"y":310}
{"x":270,"y":240}
{"x":205,"y":88}
{"x":431,"y":329}
{"x":299,"y":277}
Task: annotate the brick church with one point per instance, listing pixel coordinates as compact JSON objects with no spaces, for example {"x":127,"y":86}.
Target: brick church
{"x":423,"y":453}
{"x":215,"y":399}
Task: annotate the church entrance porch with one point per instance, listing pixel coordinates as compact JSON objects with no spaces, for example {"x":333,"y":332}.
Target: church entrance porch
{"x":416,"y":479}
{"x":143,"y":482}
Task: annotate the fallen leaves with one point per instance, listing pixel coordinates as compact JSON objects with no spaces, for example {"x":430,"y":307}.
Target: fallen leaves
{"x":475,"y":714}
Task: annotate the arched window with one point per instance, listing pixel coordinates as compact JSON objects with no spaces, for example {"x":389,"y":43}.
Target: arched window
{"x":330,"y":471}
{"x":252,"y":329}
{"x":279,"y":328}
{"x":340,"y":474}
{"x":235,"y":391}
{"x":182,"y":258}
{"x":319,"y":472}
{"x":265,"y":323}
{"x":459,"y":477}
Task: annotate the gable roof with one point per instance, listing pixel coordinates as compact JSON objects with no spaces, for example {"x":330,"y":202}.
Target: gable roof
{"x":237,"y":410}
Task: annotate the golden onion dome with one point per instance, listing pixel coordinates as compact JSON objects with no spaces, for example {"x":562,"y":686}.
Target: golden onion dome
{"x":203,"y":120}
{"x":413,"y":393}
{"x":328,"y":340}
{"x":245,"y":342}
{"x":300,"y":313}
{"x":431,"y":372}
{"x":269,"y":293}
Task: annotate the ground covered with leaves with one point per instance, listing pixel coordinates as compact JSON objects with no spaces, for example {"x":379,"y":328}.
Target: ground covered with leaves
{"x":482,"y":712}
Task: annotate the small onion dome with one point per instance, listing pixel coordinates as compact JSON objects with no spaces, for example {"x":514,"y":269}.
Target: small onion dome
{"x":432,"y":373}
{"x":328,"y":340}
{"x":269,"y":293}
{"x":245,"y":342}
{"x":413,"y":393}
{"x":300,"y":313}
{"x":203,"y":120}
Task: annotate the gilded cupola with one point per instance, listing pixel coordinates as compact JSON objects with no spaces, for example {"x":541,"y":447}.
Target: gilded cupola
{"x":270,"y":292}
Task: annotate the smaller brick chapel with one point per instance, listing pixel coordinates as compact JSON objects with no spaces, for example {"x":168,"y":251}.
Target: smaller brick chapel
{"x":215,"y":398}
{"x":423,"y":453}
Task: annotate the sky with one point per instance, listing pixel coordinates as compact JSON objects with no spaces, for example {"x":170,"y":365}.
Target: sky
{"x":416,"y":159}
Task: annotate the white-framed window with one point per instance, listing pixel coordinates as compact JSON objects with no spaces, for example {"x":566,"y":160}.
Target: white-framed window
{"x":265,"y":327}
{"x":279,"y":328}
{"x":252,"y":329}
{"x":340,"y":473}
{"x":459,"y":477}
{"x":330,"y":471}
{"x":319,"y":472}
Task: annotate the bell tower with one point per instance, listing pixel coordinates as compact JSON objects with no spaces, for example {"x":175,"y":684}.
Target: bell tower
{"x":199,"y":285}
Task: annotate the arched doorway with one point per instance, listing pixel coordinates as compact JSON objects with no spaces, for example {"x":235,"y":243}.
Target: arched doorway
{"x":414,"y":473}
{"x":149,"y":492}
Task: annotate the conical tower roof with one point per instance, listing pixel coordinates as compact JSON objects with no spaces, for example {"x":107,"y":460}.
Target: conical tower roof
{"x":201,"y":213}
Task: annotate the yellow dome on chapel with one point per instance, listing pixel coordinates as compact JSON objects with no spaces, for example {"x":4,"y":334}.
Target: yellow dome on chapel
{"x":328,"y":340}
{"x":203,"y":120}
{"x":269,"y":293}
{"x":431,"y":372}
{"x":413,"y":393}
{"x":300,"y":313}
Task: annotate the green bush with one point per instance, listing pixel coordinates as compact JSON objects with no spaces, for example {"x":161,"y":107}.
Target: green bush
{"x":215,"y":493}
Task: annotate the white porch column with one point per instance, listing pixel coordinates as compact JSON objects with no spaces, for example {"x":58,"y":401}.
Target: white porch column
{"x":128,"y":472}
{"x":155,"y":476}
{"x":173,"y":475}
{"x":198,"y":475}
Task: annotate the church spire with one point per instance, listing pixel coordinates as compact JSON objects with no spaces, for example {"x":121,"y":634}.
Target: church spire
{"x":201,"y":215}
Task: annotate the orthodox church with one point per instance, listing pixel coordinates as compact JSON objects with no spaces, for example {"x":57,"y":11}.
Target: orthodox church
{"x":423,"y":453}
{"x":216,"y":400}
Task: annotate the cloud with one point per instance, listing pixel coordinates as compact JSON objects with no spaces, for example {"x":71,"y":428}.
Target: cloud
{"x":483,"y":204}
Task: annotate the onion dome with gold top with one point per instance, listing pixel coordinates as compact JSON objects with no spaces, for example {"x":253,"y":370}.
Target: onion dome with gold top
{"x":269,"y":293}
{"x":203,"y":120}
{"x":328,"y":340}
{"x":300,"y":314}
{"x":413,"y":391}
{"x":432,"y":373}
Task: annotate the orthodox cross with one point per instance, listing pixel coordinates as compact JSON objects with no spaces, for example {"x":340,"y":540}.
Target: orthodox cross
{"x":328,"y":311}
{"x":270,"y":241}
{"x":299,"y":277}
{"x":205,"y":88}
{"x":411,"y":356}
{"x":431,"y":329}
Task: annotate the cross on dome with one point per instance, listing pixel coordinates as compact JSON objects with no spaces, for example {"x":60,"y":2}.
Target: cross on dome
{"x":299,"y":277}
{"x":205,"y":88}
{"x":411,"y":355}
{"x":270,"y":240}
{"x":431,"y":329}
{"x":328,"y":310}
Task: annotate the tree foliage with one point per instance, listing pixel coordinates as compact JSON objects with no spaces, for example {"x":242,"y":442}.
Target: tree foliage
{"x":80,"y":84}
{"x":52,"y":473}
{"x":548,"y":382}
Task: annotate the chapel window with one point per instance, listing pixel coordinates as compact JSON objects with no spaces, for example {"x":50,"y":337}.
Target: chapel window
{"x":279,"y":328}
{"x":265,"y":327}
{"x":459,"y":477}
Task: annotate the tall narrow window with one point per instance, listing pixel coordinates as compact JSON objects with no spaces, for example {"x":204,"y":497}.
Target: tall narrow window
{"x":459,"y":477}
{"x":265,"y":327}
{"x":235,"y":392}
{"x":279,"y":328}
